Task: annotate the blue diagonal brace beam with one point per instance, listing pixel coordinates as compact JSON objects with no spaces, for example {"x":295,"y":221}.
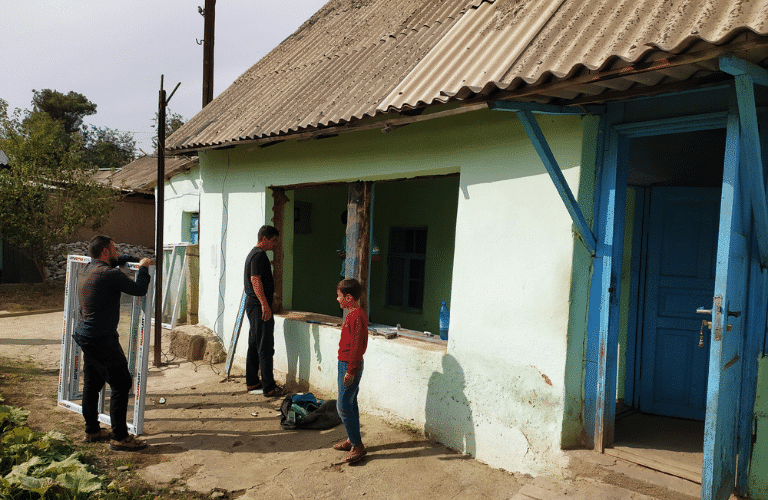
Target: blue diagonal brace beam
{"x":746,"y":75}
{"x":545,"y":153}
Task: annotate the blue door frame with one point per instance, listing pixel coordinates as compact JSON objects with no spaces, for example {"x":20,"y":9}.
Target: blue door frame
{"x":605,"y":243}
{"x":602,"y":336}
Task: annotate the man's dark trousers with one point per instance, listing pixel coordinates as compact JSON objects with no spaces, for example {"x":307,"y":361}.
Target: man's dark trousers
{"x":104,"y":361}
{"x":261,"y":349}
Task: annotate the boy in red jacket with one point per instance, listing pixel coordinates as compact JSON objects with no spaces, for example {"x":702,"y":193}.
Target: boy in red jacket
{"x":354,"y":341}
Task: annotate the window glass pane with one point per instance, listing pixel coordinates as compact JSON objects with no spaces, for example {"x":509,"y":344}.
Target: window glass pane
{"x":417,"y":269}
{"x":397,"y":242}
{"x":421,"y":241}
{"x":416,"y":293}
{"x":395,"y":281}
{"x":408,"y":241}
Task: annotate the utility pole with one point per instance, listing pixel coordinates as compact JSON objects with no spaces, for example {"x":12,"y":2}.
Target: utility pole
{"x":209,"y":13}
{"x":160,"y":219}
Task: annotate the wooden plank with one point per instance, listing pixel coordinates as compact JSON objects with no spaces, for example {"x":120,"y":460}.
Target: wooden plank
{"x":359,"y":235}
{"x":640,"y":457}
{"x":278,"y":220}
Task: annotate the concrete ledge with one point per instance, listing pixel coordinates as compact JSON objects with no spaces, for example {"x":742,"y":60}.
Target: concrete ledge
{"x":196,"y":342}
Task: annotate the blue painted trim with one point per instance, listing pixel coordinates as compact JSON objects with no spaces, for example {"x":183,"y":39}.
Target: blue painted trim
{"x":604,"y":307}
{"x":542,"y":109}
{"x":750,"y":148}
{"x":736,"y":67}
{"x":719,"y":464}
{"x":690,"y":123}
{"x":548,"y":159}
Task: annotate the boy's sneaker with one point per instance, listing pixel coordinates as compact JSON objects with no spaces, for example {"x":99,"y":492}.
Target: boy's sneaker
{"x":101,"y":435}
{"x":130,"y":443}
{"x":276,"y":392}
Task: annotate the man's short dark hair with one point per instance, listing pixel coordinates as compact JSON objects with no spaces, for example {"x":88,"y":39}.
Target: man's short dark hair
{"x":97,"y":245}
{"x":350,"y":286}
{"x":268,"y":231}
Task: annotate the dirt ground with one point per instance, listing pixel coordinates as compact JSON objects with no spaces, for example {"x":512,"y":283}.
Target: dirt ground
{"x":209,"y":436}
{"x":30,"y":297}
{"x":209,"y":439}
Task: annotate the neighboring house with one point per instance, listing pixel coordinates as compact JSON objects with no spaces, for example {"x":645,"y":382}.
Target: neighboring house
{"x":133,"y":220}
{"x":14,"y":266}
{"x":573,"y":178}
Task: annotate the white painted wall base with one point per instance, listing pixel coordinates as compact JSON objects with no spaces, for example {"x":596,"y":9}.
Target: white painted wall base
{"x":422,"y":385}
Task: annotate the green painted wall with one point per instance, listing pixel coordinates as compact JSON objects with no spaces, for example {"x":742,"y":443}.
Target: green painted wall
{"x":626,"y":280}
{"x":429,"y":203}
{"x":758,"y":467}
{"x":315,"y":263}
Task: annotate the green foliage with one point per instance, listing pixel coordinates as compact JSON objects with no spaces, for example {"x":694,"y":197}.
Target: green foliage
{"x":173,"y":121}
{"x":40,"y":465}
{"x":108,"y":148}
{"x":68,"y":109}
{"x":47,"y":193}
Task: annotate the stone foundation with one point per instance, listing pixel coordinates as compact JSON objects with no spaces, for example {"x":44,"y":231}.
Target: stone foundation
{"x":195,"y":342}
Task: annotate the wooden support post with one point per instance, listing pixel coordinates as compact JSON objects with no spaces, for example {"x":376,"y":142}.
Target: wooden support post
{"x":359,"y":235}
{"x":278,"y":220}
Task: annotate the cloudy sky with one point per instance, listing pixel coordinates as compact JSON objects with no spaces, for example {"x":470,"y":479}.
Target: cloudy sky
{"x":114,"y":52}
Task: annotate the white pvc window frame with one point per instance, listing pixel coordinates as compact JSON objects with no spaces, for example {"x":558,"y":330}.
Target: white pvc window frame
{"x":175,"y":278}
{"x":138,"y":347}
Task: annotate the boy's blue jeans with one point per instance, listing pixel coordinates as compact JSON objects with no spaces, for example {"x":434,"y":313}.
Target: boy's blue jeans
{"x":347,"y":404}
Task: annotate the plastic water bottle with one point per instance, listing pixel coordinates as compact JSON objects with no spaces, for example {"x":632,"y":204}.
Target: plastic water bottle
{"x":445,"y":318}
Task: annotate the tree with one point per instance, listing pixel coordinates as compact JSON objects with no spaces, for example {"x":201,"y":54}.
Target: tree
{"x":107,"y":148}
{"x":69,"y":109}
{"x":47,"y":193}
{"x":173,"y":121}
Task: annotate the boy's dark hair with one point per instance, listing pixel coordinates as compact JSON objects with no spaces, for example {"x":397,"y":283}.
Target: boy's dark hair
{"x":268,"y":231}
{"x":350,"y":286}
{"x":97,"y":245}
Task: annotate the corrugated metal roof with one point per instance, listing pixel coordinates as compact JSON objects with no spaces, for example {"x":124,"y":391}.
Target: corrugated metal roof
{"x":141,"y":175}
{"x":512,"y":44}
{"x":360,"y":58}
{"x":337,"y":67}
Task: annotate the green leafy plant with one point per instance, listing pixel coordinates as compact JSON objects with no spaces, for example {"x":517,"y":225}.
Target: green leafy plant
{"x":40,"y":465}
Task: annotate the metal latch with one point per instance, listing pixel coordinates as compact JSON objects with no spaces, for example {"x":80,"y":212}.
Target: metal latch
{"x":717,"y":331}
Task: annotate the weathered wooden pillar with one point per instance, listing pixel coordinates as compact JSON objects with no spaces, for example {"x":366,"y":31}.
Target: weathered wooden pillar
{"x":359,"y":235}
{"x":278,"y":220}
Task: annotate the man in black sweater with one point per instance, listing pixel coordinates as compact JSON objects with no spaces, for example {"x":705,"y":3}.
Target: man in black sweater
{"x":99,"y":289}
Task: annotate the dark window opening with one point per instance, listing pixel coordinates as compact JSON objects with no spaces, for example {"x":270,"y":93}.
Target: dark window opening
{"x":405,"y":276}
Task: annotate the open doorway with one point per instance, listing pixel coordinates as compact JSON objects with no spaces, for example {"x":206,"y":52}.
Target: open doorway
{"x":671,"y":231}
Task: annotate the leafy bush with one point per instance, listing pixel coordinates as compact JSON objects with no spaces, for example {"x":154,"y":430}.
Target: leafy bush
{"x":37,"y":465}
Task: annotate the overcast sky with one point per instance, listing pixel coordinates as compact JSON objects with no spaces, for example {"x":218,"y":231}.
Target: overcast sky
{"x":114,"y":52}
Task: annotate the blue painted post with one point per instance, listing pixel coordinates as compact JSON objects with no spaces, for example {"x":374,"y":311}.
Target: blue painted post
{"x":725,"y":361}
{"x":545,"y":153}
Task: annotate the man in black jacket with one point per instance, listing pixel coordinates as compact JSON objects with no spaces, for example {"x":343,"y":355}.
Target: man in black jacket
{"x":99,"y":289}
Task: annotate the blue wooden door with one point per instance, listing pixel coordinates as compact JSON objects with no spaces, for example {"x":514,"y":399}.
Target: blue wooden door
{"x":728,"y":312}
{"x":680,"y":277}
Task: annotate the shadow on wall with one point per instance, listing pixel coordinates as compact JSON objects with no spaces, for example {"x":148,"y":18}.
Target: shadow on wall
{"x":448,"y":414}
{"x":297,"y":350}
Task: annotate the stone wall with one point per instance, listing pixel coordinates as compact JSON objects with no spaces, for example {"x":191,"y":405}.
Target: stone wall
{"x":57,"y":262}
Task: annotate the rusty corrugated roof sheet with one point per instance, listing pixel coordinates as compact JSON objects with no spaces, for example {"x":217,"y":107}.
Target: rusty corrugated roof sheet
{"x":141,"y":175}
{"x":361,"y":58}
